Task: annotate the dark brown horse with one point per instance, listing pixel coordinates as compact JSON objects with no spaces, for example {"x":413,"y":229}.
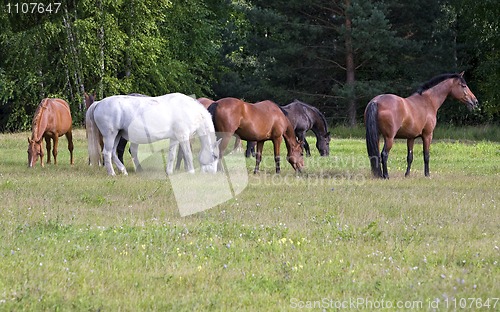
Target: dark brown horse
{"x":259,"y":122}
{"x":305,"y":117}
{"x":409,"y":118}
{"x":52,"y":119}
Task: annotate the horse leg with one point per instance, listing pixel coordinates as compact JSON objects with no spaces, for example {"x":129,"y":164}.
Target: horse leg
{"x":48,"y":144}
{"x":119,"y":164}
{"x":237,"y":144}
{"x":302,"y":137}
{"x":180,"y":156}
{"x":258,"y":155}
{"x":172,"y":151}
{"x":306,"y":147}
{"x":54,"y":148}
{"x":277,"y":145}
{"x":250,"y":151}
{"x":188,"y":156}
{"x":69,"y":137}
{"x":41,"y":153}
{"x":409,"y":157}
{"x":120,"y":149}
{"x":385,"y":155}
{"x":226,"y":137}
{"x":107,"y":152}
{"x":427,"y":144}
{"x":133,"y":151}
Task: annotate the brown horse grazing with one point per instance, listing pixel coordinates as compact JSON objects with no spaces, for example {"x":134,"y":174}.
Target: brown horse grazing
{"x":52,"y":119}
{"x":410,"y":118}
{"x":207,"y":102}
{"x":259,"y":122}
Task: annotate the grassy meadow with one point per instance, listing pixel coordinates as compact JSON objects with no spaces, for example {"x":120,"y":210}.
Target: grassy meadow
{"x":74,"y":239}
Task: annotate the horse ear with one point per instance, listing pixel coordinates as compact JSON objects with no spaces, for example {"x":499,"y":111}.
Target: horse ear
{"x":462,"y":74}
{"x":218,"y":142}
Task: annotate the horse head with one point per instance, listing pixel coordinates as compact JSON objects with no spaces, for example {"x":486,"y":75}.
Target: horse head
{"x":323,"y":144}
{"x":35,"y":150}
{"x":209,"y":157}
{"x":296,"y":156}
{"x":461,"y":92}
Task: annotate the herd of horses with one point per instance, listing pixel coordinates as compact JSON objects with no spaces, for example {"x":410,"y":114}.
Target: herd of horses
{"x":140,"y":119}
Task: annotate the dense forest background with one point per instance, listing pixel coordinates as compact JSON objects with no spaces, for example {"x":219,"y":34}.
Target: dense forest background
{"x":335,"y":55}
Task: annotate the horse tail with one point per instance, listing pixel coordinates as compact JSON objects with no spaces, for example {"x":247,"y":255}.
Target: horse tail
{"x":212,"y":109}
{"x":93,"y":146}
{"x":372,"y":137}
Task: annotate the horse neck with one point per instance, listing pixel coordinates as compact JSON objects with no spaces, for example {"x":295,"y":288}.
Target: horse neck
{"x":319,"y":126}
{"x":39,"y":122}
{"x":204,"y":132}
{"x":438,"y":94}
{"x":289,"y":136}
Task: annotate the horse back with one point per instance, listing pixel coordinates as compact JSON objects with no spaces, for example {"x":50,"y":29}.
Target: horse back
{"x":272,"y":116}
{"x":301,"y":116}
{"x":400,"y":117}
{"x":62,"y":114}
{"x":52,"y":116}
{"x":227,"y":114}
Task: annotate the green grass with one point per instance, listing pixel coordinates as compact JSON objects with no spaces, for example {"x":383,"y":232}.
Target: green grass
{"x":75,"y":239}
{"x":442,"y":132}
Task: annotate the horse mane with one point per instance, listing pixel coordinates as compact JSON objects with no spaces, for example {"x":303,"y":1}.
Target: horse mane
{"x":315,"y":109}
{"x":35,"y":123}
{"x":436,"y":80}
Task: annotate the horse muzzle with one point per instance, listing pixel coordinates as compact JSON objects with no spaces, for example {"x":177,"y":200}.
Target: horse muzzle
{"x":472,"y":104}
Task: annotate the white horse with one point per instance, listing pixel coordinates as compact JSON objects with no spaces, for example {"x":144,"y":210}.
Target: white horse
{"x":144,"y":120}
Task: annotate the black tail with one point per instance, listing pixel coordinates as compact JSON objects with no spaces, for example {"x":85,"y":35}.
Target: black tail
{"x":212,"y":109}
{"x":372,"y":136}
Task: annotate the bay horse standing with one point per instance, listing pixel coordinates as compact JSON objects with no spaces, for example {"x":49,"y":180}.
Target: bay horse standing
{"x":305,"y":117}
{"x":52,"y":119}
{"x":409,"y":118}
{"x":259,"y":122}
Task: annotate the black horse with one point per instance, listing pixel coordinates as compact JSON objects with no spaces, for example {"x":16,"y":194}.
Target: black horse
{"x":304,"y":117}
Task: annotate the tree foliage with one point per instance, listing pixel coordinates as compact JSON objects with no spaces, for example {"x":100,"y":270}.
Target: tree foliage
{"x":335,"y":55}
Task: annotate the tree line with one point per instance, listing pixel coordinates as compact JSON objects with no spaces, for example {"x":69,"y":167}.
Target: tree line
{"x":335,"y":55}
